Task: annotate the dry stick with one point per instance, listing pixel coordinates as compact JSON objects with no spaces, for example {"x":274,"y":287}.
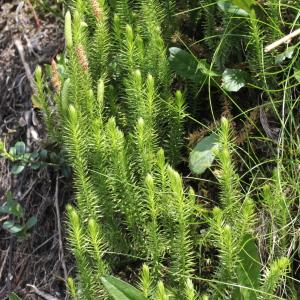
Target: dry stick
{"x":4,"y":218}
{"x":60,"y":243}
{"x":41,"y":293}
{"x":36,"y":18}
{"x":283,"y":40}
{"x":29,"y":75}
{"x":4,"y":262}
{"x":10,"y":262}
{"x":22,"y":269}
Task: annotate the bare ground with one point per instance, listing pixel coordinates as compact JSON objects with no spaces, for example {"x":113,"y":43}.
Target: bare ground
{"x":28,"y":38}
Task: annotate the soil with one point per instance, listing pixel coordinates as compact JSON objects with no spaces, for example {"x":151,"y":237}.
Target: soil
{"x":28,"y":38}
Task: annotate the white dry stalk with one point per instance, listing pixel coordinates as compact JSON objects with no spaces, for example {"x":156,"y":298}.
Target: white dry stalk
{"x":29,"y":75}
{"x":283,"y":40}
{"x":41,"y":293}
{"x":60,"y":238}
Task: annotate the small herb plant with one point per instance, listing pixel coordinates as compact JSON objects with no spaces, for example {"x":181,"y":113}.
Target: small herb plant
{"x":16,"y":224}
{"x":14,"y":296}
{"x":21,"y":158}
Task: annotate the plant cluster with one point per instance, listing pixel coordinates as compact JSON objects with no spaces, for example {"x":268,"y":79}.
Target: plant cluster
{"x":116,"y":111}
{"x":16,"y":224}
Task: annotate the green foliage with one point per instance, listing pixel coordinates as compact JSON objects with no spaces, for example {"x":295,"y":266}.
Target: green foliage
{"x":190,"y":292}
{"x":248,"y":272}
{"x":54,"y":7}
{"x":39,"y":100}
{"x":203,"y":155}
{"x":68,"y":30}
{"x":112,"y":132}
{"x":20,"y":158}
{"x":230,"y":7}
{"x":189,"y":67}
{"x":233,"y":79}
{"x":161,"y":293}
{"x":238,"y":7}
{"x":228,"y":177}
{"x":16,"y":223}
{"x":14,"y":296}
{"x":121,"y":290}
{"x":244,"y":4}
{"x":146,"y":281}
{"x":287,"y":54}
{"x":273,"y":275}
{"x":234,"y":237}
{"x":182,"y":265}
{"x":121,"y":121}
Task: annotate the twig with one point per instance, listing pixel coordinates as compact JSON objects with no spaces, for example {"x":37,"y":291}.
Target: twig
{"x":283,"y":40}
{"x":4,"y":262}
{"x":43,"y":244}
{"x":36,"y":18}
{"x":21,"y":267}
{"x":60,"y":243}
{"x":29,"y":75}
{"x":41,"y":293}
{"x":4,"y":218}
{"x":10,"y":262}
{"x":271,"y":133}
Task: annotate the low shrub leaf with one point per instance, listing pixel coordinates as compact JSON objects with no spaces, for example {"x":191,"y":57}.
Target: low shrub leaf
{"x":121,"y":290}
{"x":203,"y":155}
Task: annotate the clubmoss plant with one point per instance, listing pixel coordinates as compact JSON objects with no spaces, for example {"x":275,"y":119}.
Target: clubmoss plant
{"x":119,"y":117}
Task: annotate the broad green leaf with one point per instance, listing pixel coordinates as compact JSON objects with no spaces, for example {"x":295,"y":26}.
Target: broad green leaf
{"x":120,"y":290}
{"x":230,"y":8}
{"x":203,"y":155}
{"x":11,"y":202}
{"x":237,"y":7}
{"x":13,"y":151}
{"x":248,"y":271}
{"x":12,"y":207}
{"x":20,"y":148}
{"x":26,"y":156}
{"x":17,"y":210}
{"x":12,"y":227}
{"x":4,"y":209}
{"x":43,"y":154}
{"x":34,"y":155}
{"x":185,"y":64}
{"x":244,"y":4}
{"x":14,"y":296}
{"x":8,"y":224}
{"x":54,"y":158}
{"x":31,"y":222}
{"x":36,"y":165}
{"x":189,"y":67}
{"x":297,"y":74}
{"x":234,"y":79}
{"x":17,"y":168}
{"x":66,"y":171}
{"x":205,"y":68}
{"x":287,"y":54}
